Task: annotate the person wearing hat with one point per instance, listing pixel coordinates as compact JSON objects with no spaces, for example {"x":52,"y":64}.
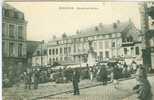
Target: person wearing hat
{"x":143,"y":87}
{"x":76,"y":80}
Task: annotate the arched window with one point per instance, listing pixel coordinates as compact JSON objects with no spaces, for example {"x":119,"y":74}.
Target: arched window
{"x":49,"y":51}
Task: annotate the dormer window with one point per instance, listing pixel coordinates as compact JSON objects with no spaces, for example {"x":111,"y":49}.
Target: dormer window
{"x":130,"y":39}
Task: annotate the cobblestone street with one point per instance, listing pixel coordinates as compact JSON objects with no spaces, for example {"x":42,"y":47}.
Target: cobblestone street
{"x":43,"y":90}
{"x":99,"y":92}
{"x":108,"y":92}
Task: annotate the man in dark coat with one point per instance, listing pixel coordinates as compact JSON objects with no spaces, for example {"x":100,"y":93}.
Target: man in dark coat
{"x":36,"y":78}
{"x":76,"y":80}
{"x":115,"y":76}
{"x":103,"y":75}
{"x":143,"y":88}
{"x":28,"y":81}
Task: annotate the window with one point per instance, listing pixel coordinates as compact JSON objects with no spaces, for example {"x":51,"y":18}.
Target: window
{"x":49,"y":51}
{"x":11,"y":30}
{"x":11,"y":50}
{"x":20,"y":32}
{"x":53,"y":51}
{"x":38,"y":53}
{"x":61,"y":50}
{"x":15,"y":14}
{"x":45,"y":52}
{"x":6,"y":13}
{"x":125,"y":51}
{"x":3,"y":12}
{"x":65,"y":50}
{"x":113,"y":44}
{"x":132,"y":49}
{"x":3,"y":48}
{"x":57,"y":51}
{"x":20,"y":50}
{"x":3,"y":29}
{"x":53,"y":59}
{"x":107,"y":54}
{"x":137,"y":51}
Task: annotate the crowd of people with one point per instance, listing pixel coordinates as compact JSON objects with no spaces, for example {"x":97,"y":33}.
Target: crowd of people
{"x":101,"y":72}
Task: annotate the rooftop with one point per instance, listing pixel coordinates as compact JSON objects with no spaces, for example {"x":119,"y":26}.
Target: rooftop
{"x":117,"y":27}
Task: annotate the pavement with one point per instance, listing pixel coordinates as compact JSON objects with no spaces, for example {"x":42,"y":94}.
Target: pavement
{"x":108,"y":92}
{"x":46,"y":89}
{"x":90,"y":90}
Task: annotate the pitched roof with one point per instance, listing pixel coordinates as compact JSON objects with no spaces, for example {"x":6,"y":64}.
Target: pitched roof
{"x":7,"y":6}
{"x":125,"y":28}
{"x":104,"y":29}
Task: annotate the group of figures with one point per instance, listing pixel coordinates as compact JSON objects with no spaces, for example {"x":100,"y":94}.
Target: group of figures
{"x":31,"y":77}
{"x":142,"y":89}
{"x":104,"y":73}
{"x":112,"y":71}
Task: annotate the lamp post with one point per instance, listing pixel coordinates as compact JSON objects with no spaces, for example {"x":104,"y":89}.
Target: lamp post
{"x":42,"y":53}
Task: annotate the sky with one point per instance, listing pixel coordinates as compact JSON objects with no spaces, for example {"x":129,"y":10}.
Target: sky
{"x":46,"y":19}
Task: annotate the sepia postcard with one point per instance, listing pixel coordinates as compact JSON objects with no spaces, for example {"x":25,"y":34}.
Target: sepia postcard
{"x":83,"y":50}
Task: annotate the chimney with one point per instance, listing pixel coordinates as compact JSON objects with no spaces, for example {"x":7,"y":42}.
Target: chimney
{"x":114,"y":25}
{"x":118,"y":21}
{"x":96,"y":28}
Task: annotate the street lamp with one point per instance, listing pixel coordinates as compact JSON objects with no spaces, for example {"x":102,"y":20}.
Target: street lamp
{"x":41,"y":53}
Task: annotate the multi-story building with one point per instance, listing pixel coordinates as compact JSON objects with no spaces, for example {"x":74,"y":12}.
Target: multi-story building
{"x":117,"y":40}
{"x":147,"y":27}
{"x":39,"y":57}
{"x":13,"y":40}
{"x":31,"y":48}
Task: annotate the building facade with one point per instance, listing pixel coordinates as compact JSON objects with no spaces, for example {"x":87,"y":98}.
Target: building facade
{"x":147,"y":27}
{"x":39,"y":57}
{"x":31,"y":48}
{"x":13,"y":40}
{"x":114,"y":41}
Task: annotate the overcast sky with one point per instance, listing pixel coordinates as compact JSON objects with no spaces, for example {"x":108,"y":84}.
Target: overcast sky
{"x":48,"y":18}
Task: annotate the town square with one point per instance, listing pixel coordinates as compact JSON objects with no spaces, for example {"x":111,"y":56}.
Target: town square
{"x":77,"y":50}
